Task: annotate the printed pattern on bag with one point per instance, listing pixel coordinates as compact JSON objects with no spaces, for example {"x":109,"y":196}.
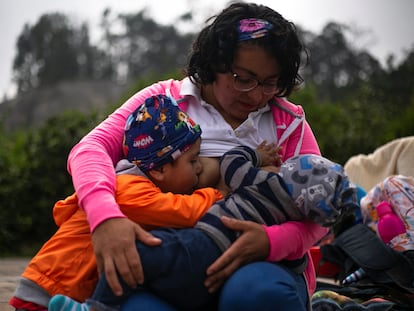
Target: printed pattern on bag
{"x":398,"y":190}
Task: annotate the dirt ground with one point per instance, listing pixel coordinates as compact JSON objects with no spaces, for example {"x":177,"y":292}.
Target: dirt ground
{"x":10,"y":270}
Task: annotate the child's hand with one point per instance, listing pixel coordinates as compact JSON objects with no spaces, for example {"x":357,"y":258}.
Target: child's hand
{"x":271,"y":168}
{"x":269,"y":154}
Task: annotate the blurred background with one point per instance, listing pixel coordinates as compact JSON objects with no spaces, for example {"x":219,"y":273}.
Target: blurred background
{"x":65,"y":65}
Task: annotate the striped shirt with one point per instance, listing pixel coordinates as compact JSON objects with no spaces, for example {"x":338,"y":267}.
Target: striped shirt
{"x":257,"y":195}
{"x":307,"y":187}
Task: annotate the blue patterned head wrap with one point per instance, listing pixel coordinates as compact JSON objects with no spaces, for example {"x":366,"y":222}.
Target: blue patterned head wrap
{"x":158,"y":132}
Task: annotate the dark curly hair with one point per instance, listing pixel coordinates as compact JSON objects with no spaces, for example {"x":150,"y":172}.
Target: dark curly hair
{"x":214,"y":48}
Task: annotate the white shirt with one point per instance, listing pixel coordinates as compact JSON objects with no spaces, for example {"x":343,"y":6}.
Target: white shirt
{"x":217,"y":135}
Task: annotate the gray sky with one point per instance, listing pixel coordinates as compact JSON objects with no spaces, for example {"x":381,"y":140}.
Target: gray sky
{"x":387,"y":26}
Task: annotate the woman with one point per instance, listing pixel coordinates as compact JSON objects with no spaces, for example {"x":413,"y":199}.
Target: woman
{"x":241,"y":67}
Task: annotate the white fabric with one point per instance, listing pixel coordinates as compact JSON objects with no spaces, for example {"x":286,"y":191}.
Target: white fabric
{"x":394,"y":158}
{"x":217,"y":135}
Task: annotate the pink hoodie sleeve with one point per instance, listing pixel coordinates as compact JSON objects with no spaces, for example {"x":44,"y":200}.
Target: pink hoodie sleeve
{"x":291,"y":240}
{"x":91,"y":161}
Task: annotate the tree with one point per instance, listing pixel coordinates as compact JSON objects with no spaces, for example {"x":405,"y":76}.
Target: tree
{"x":393,"y":88}
{"x":142,"y":46}
{"x":132,"y":46}
{"x":54,"y":50}
{"x":335,"y":66}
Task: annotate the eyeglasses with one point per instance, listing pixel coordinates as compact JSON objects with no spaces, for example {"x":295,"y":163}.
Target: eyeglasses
{"x":246,"y":84}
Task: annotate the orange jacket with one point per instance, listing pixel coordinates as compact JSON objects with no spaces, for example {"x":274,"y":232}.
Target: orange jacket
{"x":66,"y":263}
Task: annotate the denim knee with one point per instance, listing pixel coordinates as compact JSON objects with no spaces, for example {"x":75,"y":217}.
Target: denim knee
{"x":146,"y":301}
{"x":264,"y":286}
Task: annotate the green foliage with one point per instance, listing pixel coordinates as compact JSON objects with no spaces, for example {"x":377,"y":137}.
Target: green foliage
{"x":403,"y":125}
{"x":12,"y":188}
{"x":34,"y":177}
{"x":352,"y":125}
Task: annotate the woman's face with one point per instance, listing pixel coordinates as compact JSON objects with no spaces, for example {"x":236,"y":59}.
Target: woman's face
{"x":250,"y":62}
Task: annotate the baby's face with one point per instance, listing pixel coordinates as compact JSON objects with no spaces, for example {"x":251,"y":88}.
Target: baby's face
{"x":182,"y":176}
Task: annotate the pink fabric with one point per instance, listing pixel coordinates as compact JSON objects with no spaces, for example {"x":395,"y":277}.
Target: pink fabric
{"x":292,"y":240}
{"x":309,"y":144}
{"x":91,"y":162}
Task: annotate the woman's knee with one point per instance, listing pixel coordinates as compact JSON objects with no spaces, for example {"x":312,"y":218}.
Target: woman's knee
{"x":146,"y":301}
{"x":263,"y":286}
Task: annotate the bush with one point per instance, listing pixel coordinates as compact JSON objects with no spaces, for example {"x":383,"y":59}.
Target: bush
{"x":34,"y":177}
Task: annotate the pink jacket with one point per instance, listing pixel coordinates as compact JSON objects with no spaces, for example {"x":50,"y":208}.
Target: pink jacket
{"x":91,"y":163}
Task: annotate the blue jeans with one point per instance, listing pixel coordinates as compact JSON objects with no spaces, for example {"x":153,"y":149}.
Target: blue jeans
{"x":256,"y":286}
{"x":174,"y":271}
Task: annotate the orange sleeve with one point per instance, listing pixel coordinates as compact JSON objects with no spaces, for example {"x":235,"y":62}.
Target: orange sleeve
{"x":142,"y":202}
{"x":64,"y":209}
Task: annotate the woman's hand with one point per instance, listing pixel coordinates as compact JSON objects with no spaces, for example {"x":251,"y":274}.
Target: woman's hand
{"x":115,"y":250}
{"x":252,"y":245}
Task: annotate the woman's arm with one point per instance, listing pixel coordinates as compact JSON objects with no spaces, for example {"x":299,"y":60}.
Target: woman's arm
{"x":258,"y":242}
{"x":91,"y":164}
{"x":293,"y":239}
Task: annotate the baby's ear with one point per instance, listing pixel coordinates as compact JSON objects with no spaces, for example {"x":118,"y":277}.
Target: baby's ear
{"x":158,"y":174}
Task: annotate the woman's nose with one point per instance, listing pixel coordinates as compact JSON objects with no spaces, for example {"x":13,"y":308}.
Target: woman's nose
{"x":256,"y":95}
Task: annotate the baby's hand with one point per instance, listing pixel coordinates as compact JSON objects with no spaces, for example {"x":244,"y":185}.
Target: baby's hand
{"x":269,"y":154}
{"x":271,"y":168}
